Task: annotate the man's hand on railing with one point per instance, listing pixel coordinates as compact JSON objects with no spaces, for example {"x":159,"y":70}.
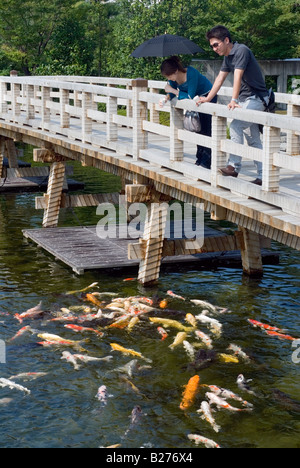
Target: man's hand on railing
{"x":233,"y":105}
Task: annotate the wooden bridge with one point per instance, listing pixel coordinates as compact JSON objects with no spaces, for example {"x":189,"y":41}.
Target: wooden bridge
{"x":78,"y":118}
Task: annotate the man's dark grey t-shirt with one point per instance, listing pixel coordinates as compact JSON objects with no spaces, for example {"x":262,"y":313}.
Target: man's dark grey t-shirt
{"x":242,"y":58}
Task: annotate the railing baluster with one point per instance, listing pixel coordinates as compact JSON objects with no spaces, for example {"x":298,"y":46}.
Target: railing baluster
{"x":293,"y":141}
{"x":87,"y":125}
{"x":271,"y":173}
{"x":140,"y":113}
{"x":45,"y":110}
{"x":176,"y":145}
{"x":219,"y":158}
{"x":64,"y":116}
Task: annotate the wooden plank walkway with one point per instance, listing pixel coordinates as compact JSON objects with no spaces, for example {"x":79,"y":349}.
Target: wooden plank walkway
{"x":82,"y":250}
{"x":33,"y":184}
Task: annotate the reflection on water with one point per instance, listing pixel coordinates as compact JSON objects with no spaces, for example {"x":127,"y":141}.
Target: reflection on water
{"x":62,"y":410}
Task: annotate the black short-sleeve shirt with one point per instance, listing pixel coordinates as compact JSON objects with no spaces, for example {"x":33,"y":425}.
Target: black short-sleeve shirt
{"x":242,"y":58}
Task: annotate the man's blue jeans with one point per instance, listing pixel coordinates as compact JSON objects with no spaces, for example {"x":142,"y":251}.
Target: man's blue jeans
{"x":240,"y":130}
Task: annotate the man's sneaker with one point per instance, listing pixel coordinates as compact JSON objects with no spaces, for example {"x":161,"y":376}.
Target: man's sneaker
{"x":257,"y":182}
{"x":229,"y":171}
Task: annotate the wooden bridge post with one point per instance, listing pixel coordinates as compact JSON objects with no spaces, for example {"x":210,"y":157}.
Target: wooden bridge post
{"x":87,"y":123}
{"x":54,"y":194}
{"x":140,"y":113}
{"x":219,"y":158}
{"x":176,"y":145}
{"x":251,"y":253}
{"x":152,"y":242}
{"x":293,"y":140}
{"x":29,"y":90}
{"x":11,"y":154}
{"x":271,"y":173}
{"x":45,"y":111}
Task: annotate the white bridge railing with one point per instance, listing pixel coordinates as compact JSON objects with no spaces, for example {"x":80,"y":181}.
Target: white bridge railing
{"x":86,"y":110}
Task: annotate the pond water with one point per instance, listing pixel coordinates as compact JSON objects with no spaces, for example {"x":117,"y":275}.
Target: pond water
{"x":62,"y":410}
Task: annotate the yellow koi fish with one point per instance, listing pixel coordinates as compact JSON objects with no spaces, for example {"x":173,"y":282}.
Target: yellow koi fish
{"x":190,"y":318}
{"x":128,"y":352}
{"x":181,"y":336}
{"x":228,"y":358}
{"x":70,"y":293}
{"x":170,"y":323}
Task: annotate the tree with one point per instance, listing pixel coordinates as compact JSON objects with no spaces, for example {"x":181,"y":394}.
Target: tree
{"x":26,"y":28}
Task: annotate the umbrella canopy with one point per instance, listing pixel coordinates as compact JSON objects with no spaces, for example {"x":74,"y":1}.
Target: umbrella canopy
{"x":166,"y":45}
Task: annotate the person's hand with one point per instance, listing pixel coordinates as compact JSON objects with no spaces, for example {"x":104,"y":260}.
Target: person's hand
{"x":233,"y":105}
{"x":163,"y":102}
{"x":202,"y":100}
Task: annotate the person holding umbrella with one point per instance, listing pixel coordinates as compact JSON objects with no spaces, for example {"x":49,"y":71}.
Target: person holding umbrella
{"x":183,"y":83}
{"x":189,"y":83}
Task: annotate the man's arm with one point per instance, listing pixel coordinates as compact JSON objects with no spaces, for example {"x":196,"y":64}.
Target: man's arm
{"x":215,"y":89}
{"x":238,"y":75}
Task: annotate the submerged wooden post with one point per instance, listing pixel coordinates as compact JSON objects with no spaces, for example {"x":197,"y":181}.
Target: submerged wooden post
{"x":54,"y":195}
{"x":251,"y":253}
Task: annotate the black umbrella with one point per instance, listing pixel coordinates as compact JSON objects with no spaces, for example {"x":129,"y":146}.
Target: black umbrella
{"x":163,"y":46}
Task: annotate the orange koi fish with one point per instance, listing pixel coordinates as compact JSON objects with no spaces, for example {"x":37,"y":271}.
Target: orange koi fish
{"x":190,"y":393}
{"x":264,"y":326}
{"x":19,"y":333}
{"x":77,"y":329}
{"x":91,"y":298}
{"x":163,"y":304}
{"x":281,"y":336}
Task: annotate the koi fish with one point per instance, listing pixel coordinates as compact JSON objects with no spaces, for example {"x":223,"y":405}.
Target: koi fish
{"x":91,"y":298}
{"x":280,"y":335}
{"x":191,"y":320}
{"x":131,"y":368}
{"x":189,"y":349}
{"x":204,"y":338}
{"x":163,"y":304}
{"x":170,"y":323}
{"x":129,"y":279}
{"x":102,"y":395}
{"x":207,"y":416}
{"x":204,"y":305}
{"x":28,"y":376}
{"x":228,"y":358}
{"x":19,"y":333}
{"x":126,"y":351}
{"x":242,"y":383}
{"x":171,"y":294}
{"x":133,"y":322}
{"x":55,"y":339}
{"x":163,"y":333}
{"x":13,"y":386}
{"x":190,"y":393}
{"x":180,"y":337}
{"x":221,"y":403}
{"x":91,"y":286}
{"x":121,"y":323}
{"x":228,"y":395}
{"x":210,"y":322}
{"x":239,"y":352}
{"x":30,"y":313}
{"x":87,"y":359}
{"x":77,"y":329}
{"x":264,"y":326}
{"x":135,"y":418}
{"x":71,"y":359}
{"x":198,"y":439}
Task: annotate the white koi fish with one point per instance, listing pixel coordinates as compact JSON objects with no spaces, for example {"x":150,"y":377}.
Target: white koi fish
{"x":242,"y":383}
{"x":221,"y":403}
{"x":204,"y":305}
{"x":204,"y":338}
{"x":210,"y":322}
{"x":13,"y":386}
{"x":239,"y":352}
{"x":71,"y":359}
{"x":198,"y":439}
{"x":102,"y":395}
{"x":189,"y":349}
{"x":28,"y":376}
{"x":87,"y":359}
{"x":228,"y":394}
{"x":207,"y":416}
{"x":31,"y":313}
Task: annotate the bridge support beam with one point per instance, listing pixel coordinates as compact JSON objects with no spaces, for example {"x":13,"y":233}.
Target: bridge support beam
{"x":251,"y":253}
{"x":54,"y":195}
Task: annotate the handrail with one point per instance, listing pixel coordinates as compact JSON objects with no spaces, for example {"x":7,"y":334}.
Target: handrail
{"x":69,"y":106}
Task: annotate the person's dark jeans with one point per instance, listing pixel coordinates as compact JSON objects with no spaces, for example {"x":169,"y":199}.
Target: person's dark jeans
{"x":204,"y":154}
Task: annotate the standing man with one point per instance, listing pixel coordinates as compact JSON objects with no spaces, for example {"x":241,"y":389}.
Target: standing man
{"x":249,"y":92}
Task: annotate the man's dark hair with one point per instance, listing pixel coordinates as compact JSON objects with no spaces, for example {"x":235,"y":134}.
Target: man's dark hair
{"x":219,"y":32}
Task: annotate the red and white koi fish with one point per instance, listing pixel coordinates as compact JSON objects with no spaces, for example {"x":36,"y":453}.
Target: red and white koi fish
{"x":207,"y":416}
{"x":280,"y":335}
{"x":239,"y":352}
{"x":30,"y":313}
{"x":221,"y":403}
{"x":71,"y":359}
{"x":264,"y":326}
{"x":198,"y":439}
{"x":228,"y":394}
{"x":171,"y":294}
{"x":19,"y":333}
{"x":28,"y":376}
{"x":102,"y":395}
{"x":77,"y":329}
{"x":163,"y":333}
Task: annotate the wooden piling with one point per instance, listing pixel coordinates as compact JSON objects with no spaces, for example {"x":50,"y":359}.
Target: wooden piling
{"x":251,"y":253}
{"x":54,"y":195}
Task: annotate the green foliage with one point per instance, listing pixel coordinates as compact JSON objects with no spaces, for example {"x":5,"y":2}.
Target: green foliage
{"x":97,"y":37}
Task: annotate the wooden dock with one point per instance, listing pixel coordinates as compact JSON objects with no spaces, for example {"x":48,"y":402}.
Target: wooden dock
{"x":82,"y":250}
{"x":60,"y":116}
